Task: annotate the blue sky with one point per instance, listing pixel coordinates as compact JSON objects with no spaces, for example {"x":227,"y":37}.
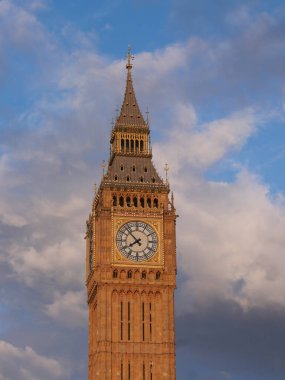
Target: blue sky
{"x":212,"y":75}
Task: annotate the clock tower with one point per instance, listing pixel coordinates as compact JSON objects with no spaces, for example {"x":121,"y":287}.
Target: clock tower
{"x":131,"y":259}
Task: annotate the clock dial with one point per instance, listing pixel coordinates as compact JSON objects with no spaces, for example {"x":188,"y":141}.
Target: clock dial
{"x":137,"y":241}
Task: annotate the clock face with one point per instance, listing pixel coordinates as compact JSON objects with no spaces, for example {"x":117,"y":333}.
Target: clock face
{"x":137,"y":241}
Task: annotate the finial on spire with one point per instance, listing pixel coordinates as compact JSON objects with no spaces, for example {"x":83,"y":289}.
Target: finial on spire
{"x":129,"y":57}
{"x":166,"y":168}
{"x":147,"y":115}
{"x":103,"y":167}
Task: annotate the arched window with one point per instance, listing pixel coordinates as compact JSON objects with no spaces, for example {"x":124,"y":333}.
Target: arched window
{"x":144,"y":275}
{"x":114,"y":200}
{"x":122,"y":167}
{"x":141,"y":145}
{"x":153,"y":179}
{"x":115,"y":273}
{"x":128,"y":201}
{"x":157,"y":276}
{"x":137,"y":145}
{"x":132,"y":145}
{"x":135,"y":201}
{"x":148,"y":201}
{"x":127,"y":145}
{"x":121,"y":201}
{"x":155,"y":203}
{"x":142,"y":202}
{"x":130,"y":274}
{"x":141,"y":179}
{"x":116,"y":178}
{"x":145,"y":169}
{"x":128,"y":178}
{"x":134,"y":168}
{"x":122,"y":144}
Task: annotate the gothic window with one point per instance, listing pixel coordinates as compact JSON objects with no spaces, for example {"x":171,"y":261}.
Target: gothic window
{"x":122,"y":167}
{"x":114,"y":200}
{"x":127,"y":145}
{"x":128,"y":178}
{"x":115,"y":273}
{"x":143,"y":321}
{"x":142,"y":202}
{"x":144,"y":275}
{"x":122,"y":320}
{"x":129,"y":321}
{"x":134,"y":168}
{"x":122,"y":144}
{"x":130,"y":274}
{"x":157,"y":276}
{"x":150,"y":322}
{"x":153,"y":179}
{"x":121,"y":201}
{"x":132,"y":145}
{"x":129,"y":371}
{"x":145,"y":169}
{"x":148,"y":201}
{"x":137,"y":145}
{"x":128,"y":201}
{"x":135,"y":201}
{"x":116,"y":177}
{"x":155,"y":202}
{"x":150,"y":370}
{"x":141,"y":145}
{"x":141,"y":179}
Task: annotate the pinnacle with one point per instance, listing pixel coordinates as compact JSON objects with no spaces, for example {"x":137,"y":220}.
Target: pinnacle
{"x":130,"y":114}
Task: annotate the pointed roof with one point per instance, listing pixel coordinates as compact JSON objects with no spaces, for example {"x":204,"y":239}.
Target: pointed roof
{"x":130,"y":114}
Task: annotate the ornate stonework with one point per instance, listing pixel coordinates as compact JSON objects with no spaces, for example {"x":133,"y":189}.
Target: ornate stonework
{"x":131,"y":259}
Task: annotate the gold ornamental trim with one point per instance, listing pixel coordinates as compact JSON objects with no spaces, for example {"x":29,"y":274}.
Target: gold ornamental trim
{"x":156,"y":222}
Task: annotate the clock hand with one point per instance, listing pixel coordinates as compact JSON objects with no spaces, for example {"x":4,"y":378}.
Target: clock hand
{"x":137,"y":241}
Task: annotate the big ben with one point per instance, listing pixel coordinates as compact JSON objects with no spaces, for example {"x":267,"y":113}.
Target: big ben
{"x":131,"y":258}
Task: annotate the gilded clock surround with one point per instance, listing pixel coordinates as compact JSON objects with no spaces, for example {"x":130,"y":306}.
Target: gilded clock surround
{"x":131,"y":304}
{"x":155,"y":223}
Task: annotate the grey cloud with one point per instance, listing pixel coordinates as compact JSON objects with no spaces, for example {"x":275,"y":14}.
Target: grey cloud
{"x":225,"y":338}
{"x":30,"y":365}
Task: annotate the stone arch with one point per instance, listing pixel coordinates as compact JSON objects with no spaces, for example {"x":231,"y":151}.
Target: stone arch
{"x":148,"y":202}
{"x":130,"y":273}
{"x":123,"y":274}
{"x":151,"y":275}
{"x":135,"y":201}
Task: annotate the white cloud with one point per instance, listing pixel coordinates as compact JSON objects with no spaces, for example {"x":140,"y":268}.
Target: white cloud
{"x":69,"y":308}
{"x":21,"y":28}
{"x":26,"y":364}
{"x":61,"y":263}
{"x":203,"y":145}
{"x":230,"y":234}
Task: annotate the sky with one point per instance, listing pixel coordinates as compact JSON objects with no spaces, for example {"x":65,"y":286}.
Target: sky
{"x":212,"y":75}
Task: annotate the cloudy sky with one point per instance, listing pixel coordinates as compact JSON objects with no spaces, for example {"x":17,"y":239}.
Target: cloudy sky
{"x":212,"y":75}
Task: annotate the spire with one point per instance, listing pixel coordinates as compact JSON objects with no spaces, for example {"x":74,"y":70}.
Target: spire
{"x":130,"y":114}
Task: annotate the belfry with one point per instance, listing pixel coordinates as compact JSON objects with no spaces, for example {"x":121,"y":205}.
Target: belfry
{"x":131,"y":258}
